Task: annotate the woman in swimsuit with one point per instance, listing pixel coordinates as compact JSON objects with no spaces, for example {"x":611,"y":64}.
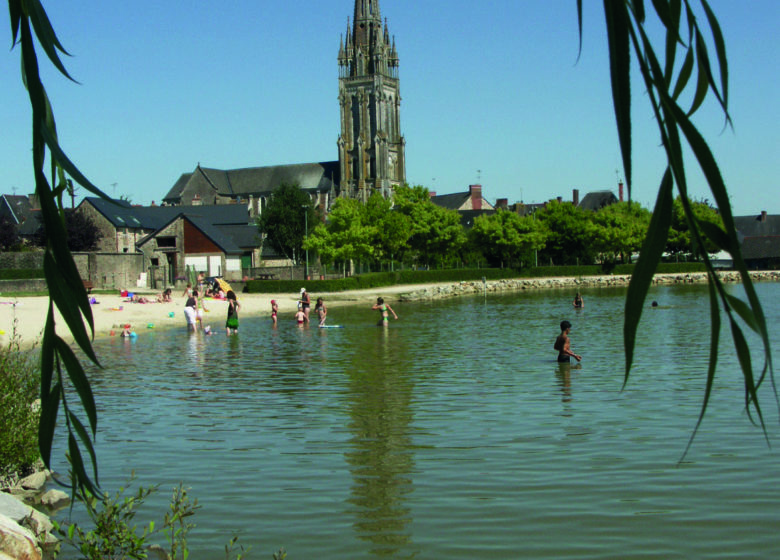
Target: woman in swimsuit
{"x":383,"y":307}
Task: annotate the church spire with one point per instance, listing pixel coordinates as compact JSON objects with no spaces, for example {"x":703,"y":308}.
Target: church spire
{"x":371,"y":147}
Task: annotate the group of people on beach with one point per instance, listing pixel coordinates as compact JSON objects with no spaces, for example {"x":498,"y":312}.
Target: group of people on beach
{"x":194,"y":308}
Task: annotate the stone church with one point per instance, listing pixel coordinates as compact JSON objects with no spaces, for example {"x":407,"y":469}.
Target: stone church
{"x":370,"y":144}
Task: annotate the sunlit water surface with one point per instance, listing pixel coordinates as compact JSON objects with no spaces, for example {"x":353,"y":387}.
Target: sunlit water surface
{"x":451,"y":434}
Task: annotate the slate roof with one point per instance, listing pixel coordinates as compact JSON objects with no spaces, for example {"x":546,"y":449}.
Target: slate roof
{"x":451,"y":201}
{"x":221,"y":238}
{"x":760,"y":239}
{"x":19,"y":208}
{"x":258,"y":181}
{"x":597,"y":200}
{"x":123,"y":214}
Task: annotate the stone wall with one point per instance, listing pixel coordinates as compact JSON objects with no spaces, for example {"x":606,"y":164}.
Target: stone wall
{"x":476,"y":287}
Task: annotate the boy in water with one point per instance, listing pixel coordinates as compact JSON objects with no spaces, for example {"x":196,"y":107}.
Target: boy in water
{"x":562,"y":344}
{"x":380,"y":305}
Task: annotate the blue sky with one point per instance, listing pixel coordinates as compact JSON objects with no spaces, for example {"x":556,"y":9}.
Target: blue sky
{"x":492,"y":92}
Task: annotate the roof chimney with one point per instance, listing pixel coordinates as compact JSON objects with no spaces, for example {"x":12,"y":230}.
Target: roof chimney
{"x":559,"y":198}
{"x":620,"y":191}
{"x":575,"y":197}
{"x":763,"y":215}
{"x":431,"y":194}
{"x":502,"y":203}
{"x":476,"y":196}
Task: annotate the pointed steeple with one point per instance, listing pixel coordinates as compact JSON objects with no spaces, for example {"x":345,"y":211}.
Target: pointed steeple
{"x":371,"y":146}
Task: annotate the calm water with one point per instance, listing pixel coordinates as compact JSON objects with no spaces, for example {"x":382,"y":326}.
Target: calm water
{"x":452,"y":434}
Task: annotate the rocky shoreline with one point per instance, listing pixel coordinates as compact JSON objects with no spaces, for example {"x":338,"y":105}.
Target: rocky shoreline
{"x":25,"y":531}
{"x":515,"y":284}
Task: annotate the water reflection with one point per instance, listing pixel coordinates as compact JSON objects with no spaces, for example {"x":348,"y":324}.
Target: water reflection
{"x":380,"y":458}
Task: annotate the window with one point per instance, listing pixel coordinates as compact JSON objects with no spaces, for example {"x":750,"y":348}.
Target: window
{"x":166,"y":242}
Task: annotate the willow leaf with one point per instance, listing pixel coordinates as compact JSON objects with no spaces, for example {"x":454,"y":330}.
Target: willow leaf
{"x":84,"y":437}
{"x":79,"y":380}
{"x":618,"y":26}
{"x":743,"y":354}
{"x":638,"y":7}
{"x":642,"y":277}
{"x":47,"y":352}
{"x":703,"y":78}
{"x":579,"y":27}
{"x":720,"y":49}
{"x":48,"y":422}
{"x":46,"y":36}
{"x":715,"y":234}
{"x":65,"y":300}
{"x":68,"y":165}
{"x":744,"y":311}
{"x":686,"y":70}
{"x":713,"y":361}
{"x":77,"y":463}
{"x":15,"y":9}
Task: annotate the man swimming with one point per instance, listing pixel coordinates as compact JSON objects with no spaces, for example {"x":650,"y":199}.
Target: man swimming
{"x":562,"y":344}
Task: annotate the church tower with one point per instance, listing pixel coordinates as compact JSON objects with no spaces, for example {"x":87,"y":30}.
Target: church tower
{"x":371,"y":147}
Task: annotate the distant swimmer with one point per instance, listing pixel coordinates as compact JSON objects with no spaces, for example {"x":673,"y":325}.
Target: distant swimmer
{"x":383,"y":307}
{"x":274,"y":310}
{"x":578,"y":301}
{"x":562,"y":344}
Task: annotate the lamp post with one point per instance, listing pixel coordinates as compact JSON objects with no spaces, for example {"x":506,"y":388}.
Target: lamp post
{"x":306,"y":229}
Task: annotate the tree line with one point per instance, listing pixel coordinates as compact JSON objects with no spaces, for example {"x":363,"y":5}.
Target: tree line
{"x":412,"y":230}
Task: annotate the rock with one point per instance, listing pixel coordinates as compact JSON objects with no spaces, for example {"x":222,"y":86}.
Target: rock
{"x":55,"y":499}
{"x":35,"y":481}
{"x":13,"y":508}
{"x":16,"y":542}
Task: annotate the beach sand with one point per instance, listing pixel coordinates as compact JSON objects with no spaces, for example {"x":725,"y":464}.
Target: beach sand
{"x":26,"y":316}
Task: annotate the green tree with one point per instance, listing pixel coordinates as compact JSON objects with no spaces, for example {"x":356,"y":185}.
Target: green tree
{"x":681,"y":240}
{"x":435,"y":232}
{"x":506,"y":238}
{"x":392,"y":229}
{"x":619,"y":230}
{"x":569,"y":234}
{"x":347,"y":235}
{"x":9,"y":234}
{"x":285,"y":218}
{"x":83,"y":234}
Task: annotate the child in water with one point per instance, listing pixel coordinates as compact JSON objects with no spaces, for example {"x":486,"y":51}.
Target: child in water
{"x":383,"y":307}
{"x":562,"y":345}
{"x":274,"y":310}
{"x":231,"y":324}
{"x":321,"y":310}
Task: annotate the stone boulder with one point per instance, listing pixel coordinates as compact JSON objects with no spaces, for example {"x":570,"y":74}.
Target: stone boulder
{"x":16,"y":542}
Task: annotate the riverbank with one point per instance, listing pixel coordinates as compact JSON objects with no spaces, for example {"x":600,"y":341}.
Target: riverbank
{"x":26,"y":316}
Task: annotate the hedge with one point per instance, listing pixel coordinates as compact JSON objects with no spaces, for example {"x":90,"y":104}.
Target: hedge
{"x":382,"y":279}
{"x":21,"y":273}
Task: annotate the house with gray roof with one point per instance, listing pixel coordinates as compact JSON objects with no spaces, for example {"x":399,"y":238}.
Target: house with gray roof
{"x":219,"y":240}
{"x":759,"y":238}
{"x":255,"y":185}
{"x":21,"y":210}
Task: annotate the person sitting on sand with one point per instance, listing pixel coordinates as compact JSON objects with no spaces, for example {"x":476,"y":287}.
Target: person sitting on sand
{"x":165,"y":297}
{"x":562,"y":345}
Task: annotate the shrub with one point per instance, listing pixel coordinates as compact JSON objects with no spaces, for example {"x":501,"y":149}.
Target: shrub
{"x":19,"y":389}
{"x":21,"y":273}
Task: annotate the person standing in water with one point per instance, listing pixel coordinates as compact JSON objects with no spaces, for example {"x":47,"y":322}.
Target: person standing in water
{"x":380,"y":305}
{"x":563,"y":345}
{"x":231,"y":324}
{"x":305,"y":303}
{"x":274,"y":310}
{"x":578,"y":301}
{"x":321,"y":310}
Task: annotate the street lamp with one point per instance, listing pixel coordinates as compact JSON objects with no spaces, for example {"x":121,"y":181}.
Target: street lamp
{"x":306,"y":229}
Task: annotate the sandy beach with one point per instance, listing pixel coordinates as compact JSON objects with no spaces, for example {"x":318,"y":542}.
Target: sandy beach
{"x":26,"y":316}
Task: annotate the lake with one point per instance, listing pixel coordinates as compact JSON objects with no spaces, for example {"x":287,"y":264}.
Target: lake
{"x":451,"y":434}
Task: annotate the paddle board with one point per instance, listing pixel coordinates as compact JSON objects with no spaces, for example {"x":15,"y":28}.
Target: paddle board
{"x":331,"y":326}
